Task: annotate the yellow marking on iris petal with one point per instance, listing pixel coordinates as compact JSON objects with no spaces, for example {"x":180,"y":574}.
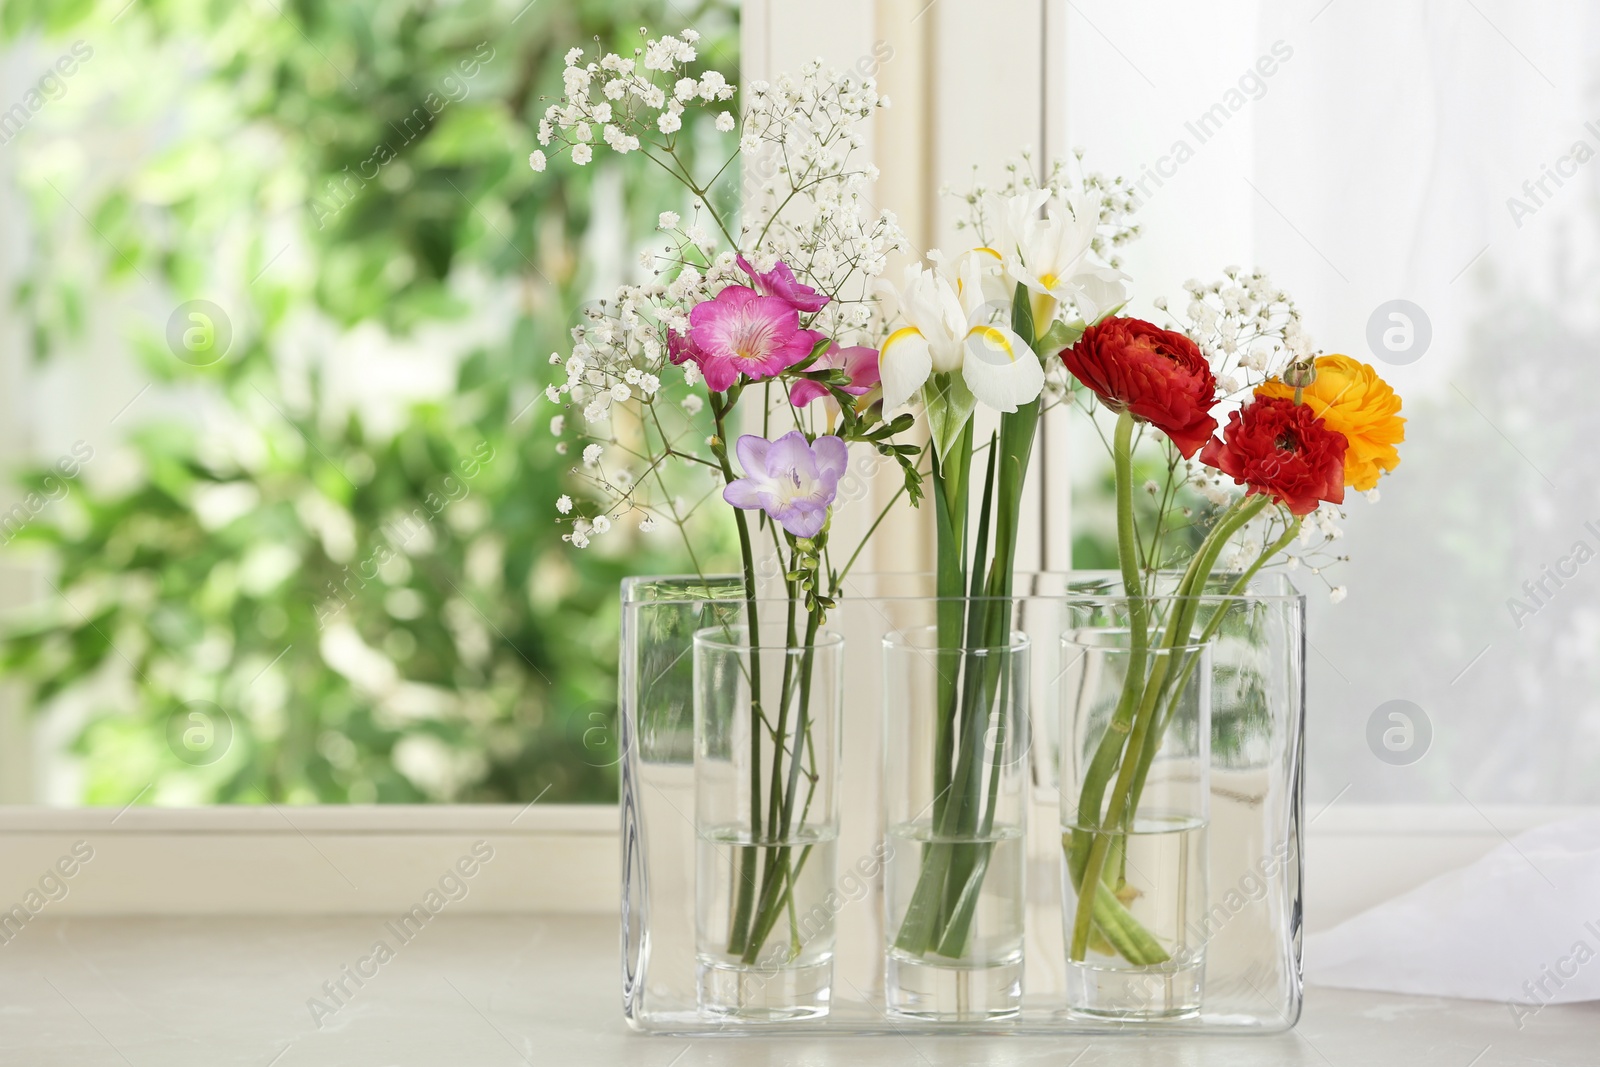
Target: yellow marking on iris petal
{"x":986,"y":250}
{"x":1048,"y":280}
{"x":994,"y":340}
{"x":893,"y":337}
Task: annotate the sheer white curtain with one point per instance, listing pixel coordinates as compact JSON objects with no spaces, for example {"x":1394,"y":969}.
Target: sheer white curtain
{"x":1367,"y":152}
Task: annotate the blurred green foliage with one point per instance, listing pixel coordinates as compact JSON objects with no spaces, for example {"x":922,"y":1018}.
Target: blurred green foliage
{"x":379,"y":616}
{"x":1094,"y":501}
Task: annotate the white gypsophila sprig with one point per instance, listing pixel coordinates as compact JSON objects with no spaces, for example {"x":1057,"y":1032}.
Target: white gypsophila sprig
{"x":631,"y":103}
{"x":633,"y":416}
{"x":1248,"y":329}
{"x":805,"y":193}
{"x":628,"y":410}
{"x":1111,"y":198}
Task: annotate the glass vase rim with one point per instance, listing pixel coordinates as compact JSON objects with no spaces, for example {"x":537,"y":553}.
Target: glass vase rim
{"x":1154,"y":648}
{"x":1080,"y":589}
{"x":713,"y":637}
{"x":897,"y":639}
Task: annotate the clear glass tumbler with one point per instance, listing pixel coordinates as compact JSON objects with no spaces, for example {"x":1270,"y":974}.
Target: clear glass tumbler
{"x":955,"y":756}
{"x":766,"y":763}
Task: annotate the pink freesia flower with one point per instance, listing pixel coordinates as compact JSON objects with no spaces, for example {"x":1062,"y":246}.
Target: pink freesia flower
{"x":679,"y":348}
{"x":859,"y":362}
{"x":739,"y":332}
{"x":792,"y":480}
{"x":781,"y":283}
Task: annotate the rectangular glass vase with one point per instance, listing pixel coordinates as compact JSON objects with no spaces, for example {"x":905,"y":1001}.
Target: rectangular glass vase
{"x":1251,"y":929}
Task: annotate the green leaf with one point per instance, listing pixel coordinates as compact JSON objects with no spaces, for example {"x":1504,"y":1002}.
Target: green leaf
{"x":1022,"y":314}
{"x":1114,"y":311}
{"x":816,"y":352}
{"x":949,"y":404}
{"x":1060,"y":335}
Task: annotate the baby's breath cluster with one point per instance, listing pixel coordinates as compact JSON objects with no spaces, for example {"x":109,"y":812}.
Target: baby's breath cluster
{"x":1311,"y":550}
{"x":1248,"y":329}
{"x":805,"y":192}
{"x":630,"y":103}
{"x":634,"y":419}
{"x":628,"y":409}
{"x":1111,"y":197}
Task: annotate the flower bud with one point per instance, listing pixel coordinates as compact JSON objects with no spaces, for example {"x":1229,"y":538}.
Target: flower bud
{"x":1300,"y":374}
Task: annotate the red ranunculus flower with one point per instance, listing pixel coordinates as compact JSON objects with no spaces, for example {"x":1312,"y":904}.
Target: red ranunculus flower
{"x":1282,"y":449}
{"x":1158,"y":375}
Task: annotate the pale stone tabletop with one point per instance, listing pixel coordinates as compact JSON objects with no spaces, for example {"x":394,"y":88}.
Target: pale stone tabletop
{"x":484,"y":991}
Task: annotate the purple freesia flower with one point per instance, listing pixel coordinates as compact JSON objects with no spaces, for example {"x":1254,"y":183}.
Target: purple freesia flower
{"x":780,"y":282}
{"x":859,"y":362}
{"x":739,"y":331}
{"x":792,"y":480}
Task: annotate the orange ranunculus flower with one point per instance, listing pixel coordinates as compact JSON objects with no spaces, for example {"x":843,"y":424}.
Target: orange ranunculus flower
{"x":1349,"y":397}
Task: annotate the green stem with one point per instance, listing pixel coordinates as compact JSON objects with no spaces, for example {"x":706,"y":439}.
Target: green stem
{"x":1176,"y":688}
{"x":1184,"y":609}
{"x":775,"y":798}
{"x":950,"y":478}
{"x":950,"y":488}
{"x":1091,"y":797}
{"x":989,"y":631}
{"x":772,"y":897}
{"x":749,"y":856}
{"x":955,"y":862}
{"x":953,"y":942}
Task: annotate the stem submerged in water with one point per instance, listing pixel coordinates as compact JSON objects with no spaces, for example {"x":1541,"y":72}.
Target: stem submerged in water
{"x":749,"y":856}
{"x":974,"y":679}
{"x":1090,"y":845}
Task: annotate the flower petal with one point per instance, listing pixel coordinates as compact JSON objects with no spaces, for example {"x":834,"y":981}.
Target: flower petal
{"x":780,"y":282}
{"x":791,"y":452}
{"x":1000,"y":369}
{"x":1099,"y":292}
{"x":805,"y":391}
{"x":746,"y":493}
{"x":832,"y":456}
{"x":801,"y":520}
{"x":861,"y":364}
{"x":720,"y":374}
{"x":752,"y":452}
{"x":903,"y":365}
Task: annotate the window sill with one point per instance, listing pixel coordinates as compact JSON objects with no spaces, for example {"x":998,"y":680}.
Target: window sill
{"x":265,"y":860}
{"x":312,"y":860}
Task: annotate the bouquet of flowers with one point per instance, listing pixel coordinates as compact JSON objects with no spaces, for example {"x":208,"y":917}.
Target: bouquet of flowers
{"x":765,"y":342}
{"x":984,"y":331}
{"x":765,"y":322}
{"x":1301,"y":429}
